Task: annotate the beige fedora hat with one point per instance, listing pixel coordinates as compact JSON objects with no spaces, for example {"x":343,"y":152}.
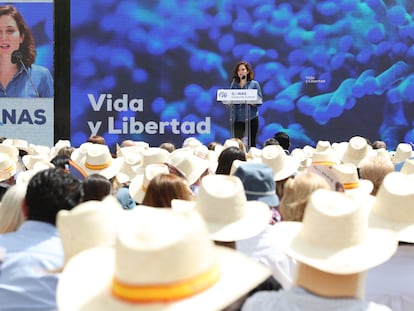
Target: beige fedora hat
{"x":139,"y":184}
{"x":357,"y":149}
{"x":403,"y":151}
{"x":25,"y":176}
{"x":282,"y":164}
{"x":98,"y":160}
{"x":130,"y":167}
{"x":334,"y":235}
{"x":20,"y":144}
{"x":162,"y":260}
{"x":30,"y":160}
{"x":229,"y":216}
{"x":8,"y":167}
{"x":192,"y":167}
{"x":89,"y":224}
{"x":394,"y":206}
{"x":408,"y":166}
{"x":60,"y":144}
{"x":347,"y":174}
{"x":10,"y":150}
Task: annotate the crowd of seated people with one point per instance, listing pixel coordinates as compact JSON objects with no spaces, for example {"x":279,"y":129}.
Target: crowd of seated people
{"x":206,"y":226}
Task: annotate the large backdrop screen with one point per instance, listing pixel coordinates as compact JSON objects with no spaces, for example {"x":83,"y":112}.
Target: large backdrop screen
{"x":149,"y":70}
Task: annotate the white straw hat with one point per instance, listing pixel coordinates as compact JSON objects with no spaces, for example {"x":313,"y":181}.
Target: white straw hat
{"x":403,"y":151}
{"x":347,"y":174}
{"x":334,"y":235}
{"x":394,"y":206}
{"x":282,"y":164}
{"x":139,"y":184}
{"x":8,"y":167}
{"x":229,"y":216}
{"x":89,"y":224}
{"x":162,"y":261}
{"x":98,"y":160}
{"x":357,"y":149}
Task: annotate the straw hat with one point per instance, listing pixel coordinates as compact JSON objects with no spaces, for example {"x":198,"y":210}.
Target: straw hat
{"x":334,"y":236}
{"x":30,"y":160}
{"x":191,"y":142}
{"x":229,"y":216}
{"x":139,"y":184}
{"x":324,"y":154}
{"x":8,"y":167}
{"x":20,"y":144}
{"x":25,"y":176}
{"x":161,"y":261}
{"x":258,"y":182}
{"x":10,"y":150}
{"x":304,"y":160}
{"x":407,"y":166}
{"x":282,"y":164}
{"x":394,"y":206}
{"x":192,"y":167}
{"x":130,"y":166}
{"x":403,"y":151}
{"x":347,"y":174}
{"x":230,"y":143}
{"x":98,"y":160}
{"x":357,"y":149}
{"x":89,"y":224}
{"x":60,"y":144}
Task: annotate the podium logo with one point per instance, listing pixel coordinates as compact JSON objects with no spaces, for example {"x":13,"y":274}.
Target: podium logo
{"x":222,"y":95}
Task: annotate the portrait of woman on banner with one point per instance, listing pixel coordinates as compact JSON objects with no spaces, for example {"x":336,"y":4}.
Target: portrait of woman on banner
{"x":19,"y":75}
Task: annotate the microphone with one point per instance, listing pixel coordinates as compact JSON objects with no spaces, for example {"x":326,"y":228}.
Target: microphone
{"x":17,"y":57}
{"x":243,"y":77}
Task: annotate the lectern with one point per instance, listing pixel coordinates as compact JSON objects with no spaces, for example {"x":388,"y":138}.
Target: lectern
{"x":232,"y":97}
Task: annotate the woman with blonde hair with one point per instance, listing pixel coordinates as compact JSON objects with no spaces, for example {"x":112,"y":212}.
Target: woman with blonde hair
{"x":297,"y":192}
{"x":11,"y":208}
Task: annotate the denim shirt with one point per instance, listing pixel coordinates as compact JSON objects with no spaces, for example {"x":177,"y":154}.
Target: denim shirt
{"x":27,"y":278}
{"x":239,"y":110}
{"x":20,"y":85}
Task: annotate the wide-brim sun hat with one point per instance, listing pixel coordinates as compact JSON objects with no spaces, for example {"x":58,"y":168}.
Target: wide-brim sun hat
{"x":347,"y":174}
{"x":283,"y":165}
{"x":89,"y":224}
{"x":98,"y":160}
{"x":139,"y":184}
{"x":162,"y":261}
{"x":334,"y":236}
{"x":356,"y":150}
{"x":8,"y":167}
{"x":394,"y":206}
{"x":406,"y":166}
{"x":130,"y":167}
{"x":192,"y":166}
{"x":10,"y":150}
{"x":402,"y":152}
{"x":222,"y":202}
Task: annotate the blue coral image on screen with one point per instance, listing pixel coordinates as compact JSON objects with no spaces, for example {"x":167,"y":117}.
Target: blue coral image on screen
{"x":328,"y":69}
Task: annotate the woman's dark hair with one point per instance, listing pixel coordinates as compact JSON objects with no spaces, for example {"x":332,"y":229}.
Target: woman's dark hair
{"x":226,"y":158}
{"x":96,"y":187}
{"x":27,"y":47}
{"x":250,"y":74}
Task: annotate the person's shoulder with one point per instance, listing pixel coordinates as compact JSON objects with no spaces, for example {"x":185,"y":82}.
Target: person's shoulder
{"x":39,"y":69}
{"x":265,"y":300}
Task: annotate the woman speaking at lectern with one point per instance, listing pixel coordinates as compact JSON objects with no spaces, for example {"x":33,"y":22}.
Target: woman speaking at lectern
{"x":243,"y":78}
{"x":19,"y":76}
